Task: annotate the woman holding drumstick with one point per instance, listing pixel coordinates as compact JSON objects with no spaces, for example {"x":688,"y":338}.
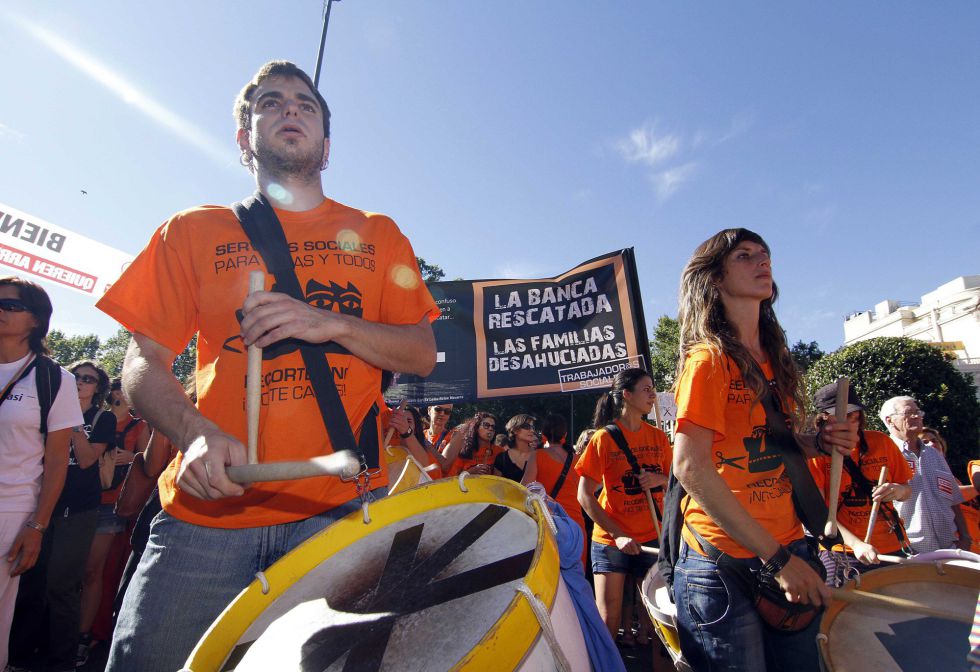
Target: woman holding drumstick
{"x":874,"y":474}
{"x":622,"y":515}
{"x":733,"y":352}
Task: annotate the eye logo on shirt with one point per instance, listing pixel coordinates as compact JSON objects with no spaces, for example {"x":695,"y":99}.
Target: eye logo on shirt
{"x":333,"y":297}
{"x":761,"y":457}
{"x":852,"y":498}
{"x":631,"y":484}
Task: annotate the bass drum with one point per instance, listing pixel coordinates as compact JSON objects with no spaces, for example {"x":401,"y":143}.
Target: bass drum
{"x":450,"y":575}
{"x":858,"y":637}
{"x":663,"y":613}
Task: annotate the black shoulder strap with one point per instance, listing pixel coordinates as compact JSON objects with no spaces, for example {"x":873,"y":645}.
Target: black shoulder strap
{"x":264,"y":231}
{"x":809,"y":502}
{"x":48,"y":383}
{"x":121,"y":436}
{"x":865,"y":487}
{"x":31,"y":366}
{"x":617,"y":434}
{"x":564,"y":474}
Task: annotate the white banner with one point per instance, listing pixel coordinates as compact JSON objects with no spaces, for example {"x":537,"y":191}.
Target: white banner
{"x":37,"y":249}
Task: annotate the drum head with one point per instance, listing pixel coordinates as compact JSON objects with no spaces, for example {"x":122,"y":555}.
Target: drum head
{"x":423,"y":591}
{"x":859,"y":637}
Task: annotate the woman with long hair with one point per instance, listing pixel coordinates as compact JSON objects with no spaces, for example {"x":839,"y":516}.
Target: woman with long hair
{"x":472,"y":449}
{"x":518,"y":462}
{"x":623,"y":519}
{"x":733,"y":352}
{"x":33,"y":458}
{"x":411,"y":434}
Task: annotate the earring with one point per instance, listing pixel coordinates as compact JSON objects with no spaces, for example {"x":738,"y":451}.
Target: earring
{"x":326,"y":162}
{"x":246,"y":158}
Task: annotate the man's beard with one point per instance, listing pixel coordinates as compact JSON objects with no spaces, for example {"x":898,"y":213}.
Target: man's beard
{"x":289,"y":162}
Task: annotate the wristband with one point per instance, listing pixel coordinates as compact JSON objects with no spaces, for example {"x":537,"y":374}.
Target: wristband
{"x":405,"y":435}
{"x":34,"y":525}
{"x":818,"y":442}
{"x":779,"y":559}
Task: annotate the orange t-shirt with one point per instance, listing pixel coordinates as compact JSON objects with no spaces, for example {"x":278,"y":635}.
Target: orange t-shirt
{"x":549,"y":469}
{"x":439,"y":440}
{"x":130,"y":440}
{"x":621,"y":496}
{"x":712,"y":394}
{"x":192,"y":277}
{"x":853,"y":511}
{"x":971,"y":508}
{"x":485,"y":454}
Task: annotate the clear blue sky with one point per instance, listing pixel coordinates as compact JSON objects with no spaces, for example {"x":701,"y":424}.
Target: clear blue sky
{"x":517,"y":139}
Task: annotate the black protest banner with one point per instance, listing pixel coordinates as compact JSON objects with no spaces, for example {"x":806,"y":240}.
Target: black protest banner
{"x":508,"y":338}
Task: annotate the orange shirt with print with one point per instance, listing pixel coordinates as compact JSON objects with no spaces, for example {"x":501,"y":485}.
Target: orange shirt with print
{"x":621,"y":496}
{"x":192,"y":277}
{"x":711,"y":393}
{"x":440,"y":439}
{"x":485,"y":454}
{"x":854,"y":511}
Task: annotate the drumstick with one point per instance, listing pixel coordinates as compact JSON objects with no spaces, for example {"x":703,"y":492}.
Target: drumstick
{"x":836,"y":460}
{"x":876,"y":505}
{"x":253,"y":386}
{"x":653,"y":511}
{"x":891,"y":602}
{"x":650,"y":550}
{"x":391,"y":430}
{"x":343,"y":464}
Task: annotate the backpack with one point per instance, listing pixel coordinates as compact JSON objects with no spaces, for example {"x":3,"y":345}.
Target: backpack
{"x":47,"y":378}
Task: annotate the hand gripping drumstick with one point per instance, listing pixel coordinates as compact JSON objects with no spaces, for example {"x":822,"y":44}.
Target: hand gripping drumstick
{"x":391,"y":430}
{"x":253,"y":385}
{"x":877,"y":505}
{"x":891,"y":602}
{"x":343,"y":463}
{"x":836,"y":459}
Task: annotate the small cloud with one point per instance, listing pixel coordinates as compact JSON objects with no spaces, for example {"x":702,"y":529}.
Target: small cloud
{"x":518,"y":270}
{"x":582,"y":195}
{"x":8,"y":132}
{"x":645,"y":145}
{"x":667,"y":182}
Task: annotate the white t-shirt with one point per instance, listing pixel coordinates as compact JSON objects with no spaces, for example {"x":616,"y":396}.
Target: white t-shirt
{"x":21,"y":443}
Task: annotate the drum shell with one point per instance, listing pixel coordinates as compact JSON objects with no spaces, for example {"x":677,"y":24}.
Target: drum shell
{"x":663,"y":613}
{"x":512,"y":641}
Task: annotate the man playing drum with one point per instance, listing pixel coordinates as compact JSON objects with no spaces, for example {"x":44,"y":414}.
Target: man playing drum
{"x":365,"y":301}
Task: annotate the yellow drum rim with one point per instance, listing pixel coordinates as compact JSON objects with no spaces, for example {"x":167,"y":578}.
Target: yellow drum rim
{"x":937,"y":572}
{"x":506,"y":642}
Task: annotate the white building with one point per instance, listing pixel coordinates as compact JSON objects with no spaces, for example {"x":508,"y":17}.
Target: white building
{"x":948,"y":317}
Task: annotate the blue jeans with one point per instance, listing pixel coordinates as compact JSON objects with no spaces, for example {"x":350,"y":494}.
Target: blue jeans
{"x":719,"y":628}
{"x":188,"y":575}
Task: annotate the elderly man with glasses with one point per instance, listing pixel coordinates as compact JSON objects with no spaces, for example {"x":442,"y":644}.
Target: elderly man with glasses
{"x":932,"y":514}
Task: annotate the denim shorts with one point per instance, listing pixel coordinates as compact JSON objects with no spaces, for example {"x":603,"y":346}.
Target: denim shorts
{"x":109,"y":522}
{"x":608,"y":559}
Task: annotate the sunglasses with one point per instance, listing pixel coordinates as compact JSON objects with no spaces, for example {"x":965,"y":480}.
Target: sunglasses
{"x":527,"y":425}
{"x":488,"y":425}
{"x":13,"y":306}
{"x":87,"y":379}
{"x":443,"y":411}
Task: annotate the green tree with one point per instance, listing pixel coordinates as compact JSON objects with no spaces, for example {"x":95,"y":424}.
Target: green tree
{"x":430,"y":272}
{"x":67,"y":349}
{"x":113,"y":352}
{"x":186,"y":361}
{"x":806,"y":354}
{"x":882,"y":368}
{"x":664,"y":352}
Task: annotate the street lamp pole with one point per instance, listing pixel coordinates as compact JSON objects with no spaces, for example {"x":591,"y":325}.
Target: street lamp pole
{"x":323,"y":41}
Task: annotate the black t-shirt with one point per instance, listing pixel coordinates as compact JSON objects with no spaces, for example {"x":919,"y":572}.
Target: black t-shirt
{"x":506,"y":466}
{"x":83,"y":489}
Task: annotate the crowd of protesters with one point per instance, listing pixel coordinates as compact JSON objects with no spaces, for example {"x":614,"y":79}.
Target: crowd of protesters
{"x":69,"y":544}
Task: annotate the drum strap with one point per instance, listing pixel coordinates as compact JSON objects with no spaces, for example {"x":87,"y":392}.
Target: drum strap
{"x":616,"y":433}
{"x":563,"y":475}
{"x":865,"y":487}
{"x":264,"y":231}
{"x":807,"y":498}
